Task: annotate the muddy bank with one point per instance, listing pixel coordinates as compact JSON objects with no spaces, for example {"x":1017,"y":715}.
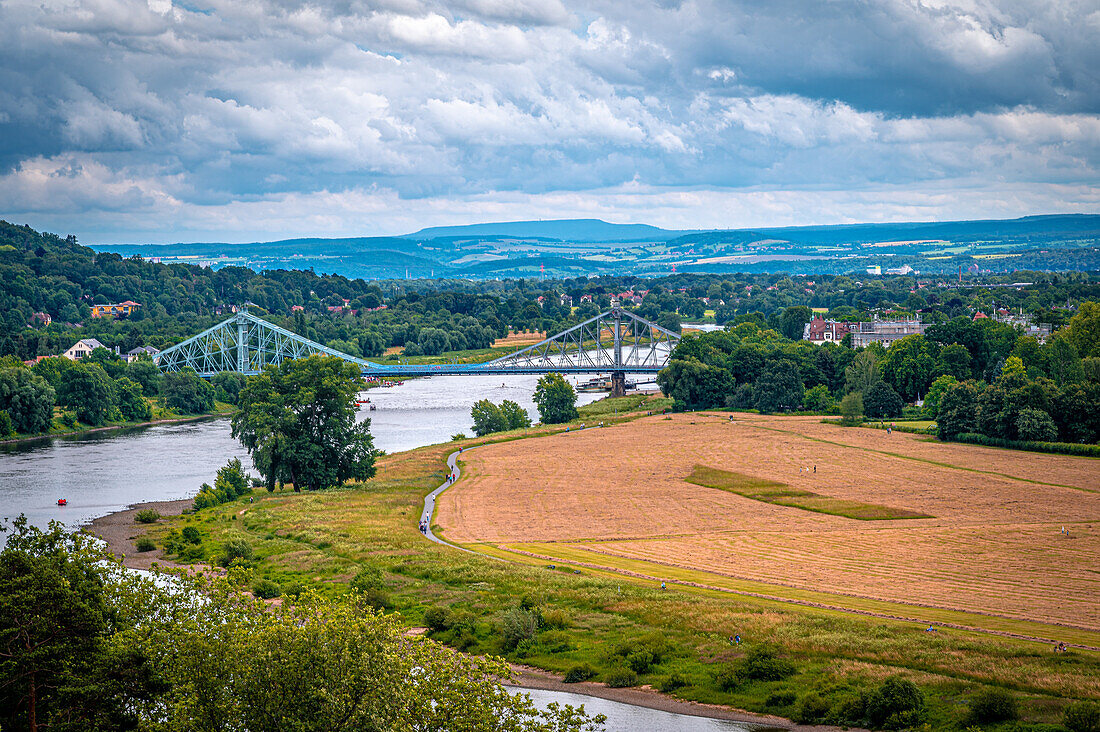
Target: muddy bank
{"x":120,"y":531}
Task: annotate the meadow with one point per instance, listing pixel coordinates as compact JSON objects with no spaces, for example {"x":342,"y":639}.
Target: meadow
{"x":596,"y":608}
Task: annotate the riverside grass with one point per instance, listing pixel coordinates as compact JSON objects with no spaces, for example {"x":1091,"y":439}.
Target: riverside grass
{"x":769,"y":491}
{"x":324,"y":539}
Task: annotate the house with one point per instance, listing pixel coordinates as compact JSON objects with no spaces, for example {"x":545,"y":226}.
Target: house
{"x":123,"y":309}
{"x":82,"y":348}
{"x":135,"y":353}
{"x":297,"y":309}
{"x":586,"y":298}
{"x":885,"y":332}
{"x":566,"y":301}
{"x":819,"y":331}
{"x":980,"y":316}
{"x":43,"y":319}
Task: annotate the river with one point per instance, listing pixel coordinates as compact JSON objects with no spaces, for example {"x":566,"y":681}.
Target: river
{"x":629,"y":718}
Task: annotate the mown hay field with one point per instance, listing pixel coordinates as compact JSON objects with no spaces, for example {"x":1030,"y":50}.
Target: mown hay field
{"x":993,"y":542}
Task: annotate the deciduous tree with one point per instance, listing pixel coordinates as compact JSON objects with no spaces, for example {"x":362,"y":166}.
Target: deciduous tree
{"x":555,"y":399}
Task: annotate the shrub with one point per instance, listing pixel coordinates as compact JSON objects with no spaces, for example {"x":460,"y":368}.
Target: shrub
{"x":1062,"y":448}
{"x":672,"y":682}
{"x":266,"y":589}
{"x":1082,"y":716}
{"x":851,"y":409}
{"x":518,"y":625}
{"x":147,"y":516}
{"x":579,"y":672}
{"x":237,"y":549}
{"x":727,"y":678}
{"x":763,"y":664}
{"x":640,"y":660}
{"x":781,"y":698}
{"x":811,"y":709}
{"x":458,"y":437}
{"x":993,"y":705}
{"x":555,"y":618}
{"x":191,"y":535}
{"x":368,"y":578}
{"x":618,"y":678}
{"x":145,"y":544}
{"x":897,"y":704}
{"x":293,"y":590}
{"x":437,"y":619}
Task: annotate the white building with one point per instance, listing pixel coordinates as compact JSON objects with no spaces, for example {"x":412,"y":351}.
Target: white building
{"x":82,"y":348}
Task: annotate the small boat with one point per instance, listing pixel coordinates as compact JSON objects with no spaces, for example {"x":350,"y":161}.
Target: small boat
{"x":62,"y":502}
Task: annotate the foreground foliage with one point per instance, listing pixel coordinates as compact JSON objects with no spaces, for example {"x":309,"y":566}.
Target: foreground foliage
{"x":85,"y":645}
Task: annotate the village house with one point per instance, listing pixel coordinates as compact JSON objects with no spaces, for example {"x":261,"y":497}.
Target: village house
{"x":122,"y":309}
{"x":82,"y":348}
{"x":819,"y":331}
{"x":135,"y":353}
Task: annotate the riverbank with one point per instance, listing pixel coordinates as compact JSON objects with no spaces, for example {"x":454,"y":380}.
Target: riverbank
{"x":183,"y":419}
{"x":120,"y":531}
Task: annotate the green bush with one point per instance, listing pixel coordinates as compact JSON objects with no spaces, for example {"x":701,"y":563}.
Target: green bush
{"x":145,"y":544}
{"x":147,"y":516}
{"x":266,"y":589}
{"x":672,"y":682}
{"x":579,"y":672}
{"x":368,"y":578}
{"x":237,"y":549}
{"x":191,"y":535}
{"x":293,"y":590}
{"x":1060,"y":448}
{"x":782,"y":698}
{"x":640,"y":660}
{"x":1082,"y":716}
{"x":993,"y":705}
{"x":727,"y":678}
{"x":812,"y":709}
{"x":518,"y":625}
{"x":897,"y":704}
{"x":437,"y":619}
{"x":763,"y":664}
{"x":555,"y":618}
{"x":618,"y":678}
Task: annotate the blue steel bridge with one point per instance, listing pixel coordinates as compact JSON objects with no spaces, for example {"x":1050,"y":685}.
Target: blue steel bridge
{"x":614,"y":342}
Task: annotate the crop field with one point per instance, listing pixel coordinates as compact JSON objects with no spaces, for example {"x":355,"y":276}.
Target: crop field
{"x":794,"y":505}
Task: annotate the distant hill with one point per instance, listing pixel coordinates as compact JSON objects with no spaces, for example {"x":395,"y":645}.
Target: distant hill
{"x":575,"y":230}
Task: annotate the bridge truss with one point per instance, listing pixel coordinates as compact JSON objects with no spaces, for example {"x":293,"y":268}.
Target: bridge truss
{"x":615,"y":342}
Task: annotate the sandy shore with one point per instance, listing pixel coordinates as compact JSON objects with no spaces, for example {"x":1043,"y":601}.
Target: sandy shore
{"x":120,"y":531}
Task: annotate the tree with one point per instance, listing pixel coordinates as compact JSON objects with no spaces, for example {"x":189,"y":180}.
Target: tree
{"x":185,"y":391}
{"x":935,"y":393}
{"x":909,"y":366}
{"x":954,"y":360}
{"x":297,"y":420}
{"x":863,"y":371}
{"x":881,"y":401}
{"x":227,"y":386}
{"x":669,"y":321}
{"x":59,"y":613}
{"x":1083,"y":330}
{"x":146,"y":373}
{"x":818,"y":399}
{"x":132,"y":406}
{"x":27,"y":399}
{"x":86,"y":389}
{"x":487,"y":418}
{"x":555,"y":399}
{"x":515,"y":416}
{"x":779,"y":388}
{"x":958,"y":410}
{"x":1035,"y":424}
{"x":851,"y":408}
{"x":793,"y":321}
{"x":695,"y":385}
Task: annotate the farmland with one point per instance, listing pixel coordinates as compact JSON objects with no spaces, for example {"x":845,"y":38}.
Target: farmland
{"x":859,"y":515}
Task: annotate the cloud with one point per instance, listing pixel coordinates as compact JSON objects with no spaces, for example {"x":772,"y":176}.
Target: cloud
{"x":127,"y":116}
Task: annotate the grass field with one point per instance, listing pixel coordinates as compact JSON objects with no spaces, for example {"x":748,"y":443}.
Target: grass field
{"x":895,"y":518}
{"x":596,"y":604}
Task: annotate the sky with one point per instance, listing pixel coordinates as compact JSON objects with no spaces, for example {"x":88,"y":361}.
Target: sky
{"x":152,"y":121}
